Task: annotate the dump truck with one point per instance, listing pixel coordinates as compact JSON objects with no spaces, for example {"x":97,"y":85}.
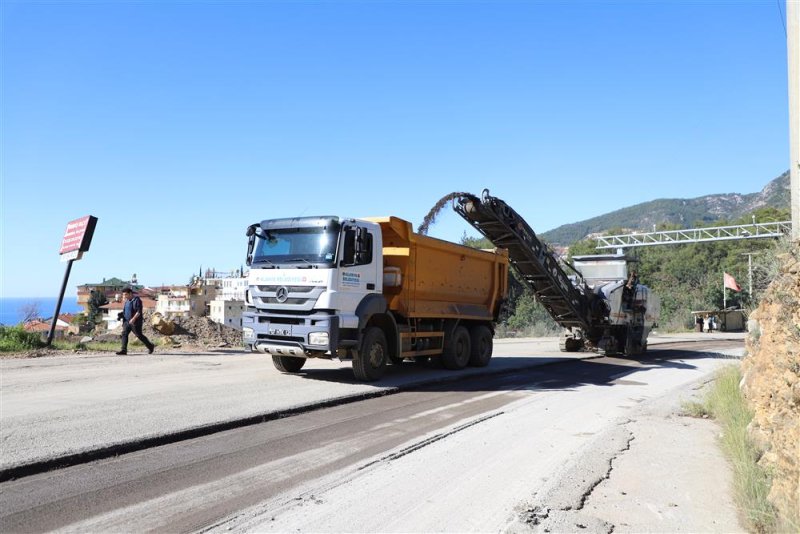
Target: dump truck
{"x":602,"y":306}
{"x":369,"y":290}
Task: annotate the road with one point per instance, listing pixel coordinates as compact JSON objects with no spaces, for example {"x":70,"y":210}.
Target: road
{"x":468,"y":455}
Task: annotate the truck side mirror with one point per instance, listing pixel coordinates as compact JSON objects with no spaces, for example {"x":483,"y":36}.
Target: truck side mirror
{"x":363,"y":247}
{"x":361,"y":240}
{"x":251,"y":241}
{"x":349,"y":247}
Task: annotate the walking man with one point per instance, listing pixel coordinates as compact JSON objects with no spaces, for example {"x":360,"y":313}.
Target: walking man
{"x":133,"y":315}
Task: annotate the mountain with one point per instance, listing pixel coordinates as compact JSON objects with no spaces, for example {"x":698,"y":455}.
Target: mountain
{"x":687,"y":213}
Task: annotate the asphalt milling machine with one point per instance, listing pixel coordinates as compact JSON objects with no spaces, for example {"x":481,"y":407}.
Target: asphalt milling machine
{"x":601,"y":306}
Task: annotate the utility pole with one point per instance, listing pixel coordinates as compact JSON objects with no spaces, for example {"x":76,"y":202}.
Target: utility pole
{"x":793,"y":58}
{"x":750,"y":272}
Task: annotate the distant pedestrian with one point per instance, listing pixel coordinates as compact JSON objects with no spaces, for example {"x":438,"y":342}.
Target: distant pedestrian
{"x":707,"y":323}
{"x":133,"y":317}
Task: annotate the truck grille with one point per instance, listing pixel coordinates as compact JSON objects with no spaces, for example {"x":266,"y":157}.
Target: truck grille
{"x":299,"y":298}
{"x":273,"y":300}
{"x":292,"y":289}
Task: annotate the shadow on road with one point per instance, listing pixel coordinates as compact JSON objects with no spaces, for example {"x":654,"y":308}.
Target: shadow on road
{"x":542,"y":372}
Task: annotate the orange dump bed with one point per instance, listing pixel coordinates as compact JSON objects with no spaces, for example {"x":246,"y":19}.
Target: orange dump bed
{"x":428,"y":277}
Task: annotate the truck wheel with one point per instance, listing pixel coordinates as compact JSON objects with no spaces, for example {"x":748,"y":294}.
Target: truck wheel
{"x":288,"y":364}
{"x":456,"y":353}
{"x":570,"y":344}
{"x":370,"y":362}
{"x":481,"y":343}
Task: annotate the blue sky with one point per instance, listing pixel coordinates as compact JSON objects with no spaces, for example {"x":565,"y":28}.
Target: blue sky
{"x":177,"y":124}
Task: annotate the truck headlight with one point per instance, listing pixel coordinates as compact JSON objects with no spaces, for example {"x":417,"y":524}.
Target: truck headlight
{"x":318,"y":338}
{"x":248,"y":333}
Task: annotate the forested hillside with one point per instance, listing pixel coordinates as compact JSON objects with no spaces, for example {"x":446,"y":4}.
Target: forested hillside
{"x":680,"y":213}
{"x":689,"y":277}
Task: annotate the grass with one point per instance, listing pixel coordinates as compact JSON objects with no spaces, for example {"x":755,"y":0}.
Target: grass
{"x":695,"y":409}
{"x":16,"y":339}
{"x":751,"y":482}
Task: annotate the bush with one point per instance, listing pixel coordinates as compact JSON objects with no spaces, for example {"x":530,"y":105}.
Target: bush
{"x":15,"y":338}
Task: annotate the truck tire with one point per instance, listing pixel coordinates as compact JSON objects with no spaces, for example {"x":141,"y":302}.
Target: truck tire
{"x":288,"y":364}
{"x":570,"y":344}
{"x":481,"y":346}
{"x":370,"y":362}
{"x":456,"y":353}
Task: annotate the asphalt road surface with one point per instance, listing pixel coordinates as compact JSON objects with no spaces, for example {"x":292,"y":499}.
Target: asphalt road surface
{"x":457,"y":456}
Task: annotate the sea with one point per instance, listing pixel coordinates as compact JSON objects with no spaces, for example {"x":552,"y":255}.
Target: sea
{"x":11,"y":308}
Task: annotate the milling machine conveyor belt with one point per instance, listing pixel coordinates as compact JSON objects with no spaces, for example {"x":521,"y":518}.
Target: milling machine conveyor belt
{"x":536,"y":265}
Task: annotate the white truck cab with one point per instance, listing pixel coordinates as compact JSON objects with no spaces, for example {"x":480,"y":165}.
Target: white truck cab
{"x":309,"y":279}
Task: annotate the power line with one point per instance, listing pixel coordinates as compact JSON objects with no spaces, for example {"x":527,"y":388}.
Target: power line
{"x":783,"y":19}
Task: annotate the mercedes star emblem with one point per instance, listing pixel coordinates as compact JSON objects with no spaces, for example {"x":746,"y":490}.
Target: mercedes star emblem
{"x":282,"y":294}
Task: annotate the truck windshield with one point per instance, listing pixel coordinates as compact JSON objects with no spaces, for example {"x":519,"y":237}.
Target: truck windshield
{"x":302,"y":246}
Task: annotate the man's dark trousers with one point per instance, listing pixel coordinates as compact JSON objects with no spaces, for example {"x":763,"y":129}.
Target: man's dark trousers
{"x":136,"y":328}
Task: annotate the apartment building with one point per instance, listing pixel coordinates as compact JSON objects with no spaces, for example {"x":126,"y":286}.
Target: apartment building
{"x":173,"y":301}
{"x":111,"y":288}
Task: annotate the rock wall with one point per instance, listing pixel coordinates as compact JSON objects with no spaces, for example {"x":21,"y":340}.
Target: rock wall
{"x":771,"y":383}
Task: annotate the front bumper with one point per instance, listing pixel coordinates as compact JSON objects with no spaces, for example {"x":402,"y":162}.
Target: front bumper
{"x":290,"y":334}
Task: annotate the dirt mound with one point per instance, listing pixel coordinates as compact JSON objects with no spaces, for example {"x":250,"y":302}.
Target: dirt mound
{"x":771,"y":382}
{"x":191,"y":331}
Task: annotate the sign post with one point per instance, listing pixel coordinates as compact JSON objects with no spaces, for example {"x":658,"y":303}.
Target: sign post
{"x":76,"y":241}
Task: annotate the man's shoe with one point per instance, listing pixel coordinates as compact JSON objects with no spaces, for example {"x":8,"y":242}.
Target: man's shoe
{"x":151,"y":349}
{"x":121,"y":353}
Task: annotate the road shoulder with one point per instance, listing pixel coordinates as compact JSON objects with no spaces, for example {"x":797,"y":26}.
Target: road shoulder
{"x":659,"y":471}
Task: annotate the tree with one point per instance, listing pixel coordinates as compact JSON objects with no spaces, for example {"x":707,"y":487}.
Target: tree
{"x":530,"y":313}
{"x":96,"y":299}
{"x":29,"y":311}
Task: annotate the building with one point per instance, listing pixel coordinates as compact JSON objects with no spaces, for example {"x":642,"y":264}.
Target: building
{"x":233,"y":288}
{"x":201,"y":292}
{"x":42,"y":326}
{"x":725,"y":320}
{"x":173,"y":301}
{"x":227,"y":312}
{"x":227,"y":308}
{"x":111,"y":288}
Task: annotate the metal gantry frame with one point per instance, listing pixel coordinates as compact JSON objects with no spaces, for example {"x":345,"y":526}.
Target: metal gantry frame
{"x":696,"y":235}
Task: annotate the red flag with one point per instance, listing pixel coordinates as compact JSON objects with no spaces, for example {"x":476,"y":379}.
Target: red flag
{"x":730,"y":282}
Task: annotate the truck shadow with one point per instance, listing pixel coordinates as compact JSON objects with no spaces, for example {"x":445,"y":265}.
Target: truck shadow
{"x":523,"y":372}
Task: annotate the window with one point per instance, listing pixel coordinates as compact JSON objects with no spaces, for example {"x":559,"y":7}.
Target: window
{"x":355,"y":253}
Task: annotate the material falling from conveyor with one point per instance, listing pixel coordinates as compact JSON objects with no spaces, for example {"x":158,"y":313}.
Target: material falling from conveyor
{"x":430,"y":218}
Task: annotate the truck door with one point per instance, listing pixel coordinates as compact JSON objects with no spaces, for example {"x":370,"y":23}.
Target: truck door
{"x":359,"y":262}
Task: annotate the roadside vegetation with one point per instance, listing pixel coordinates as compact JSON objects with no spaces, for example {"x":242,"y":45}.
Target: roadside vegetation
{"x":16,"y":339}
{"x":726,"y":404}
